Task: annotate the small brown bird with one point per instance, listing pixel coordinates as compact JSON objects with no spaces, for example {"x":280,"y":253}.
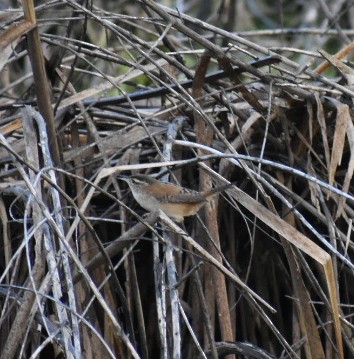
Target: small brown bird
{"x":176,"y":201}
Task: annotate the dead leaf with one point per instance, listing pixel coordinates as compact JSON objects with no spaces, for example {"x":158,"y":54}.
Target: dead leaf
{"x":338,"y":140}
{"x":349,"y":173}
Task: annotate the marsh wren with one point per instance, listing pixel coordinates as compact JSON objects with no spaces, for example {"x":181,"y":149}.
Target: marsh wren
{"x":176,"y":201}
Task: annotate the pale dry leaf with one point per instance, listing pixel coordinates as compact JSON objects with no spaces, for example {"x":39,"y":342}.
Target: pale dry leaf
{"x":338,"y":140}
{"x":349,"y":173}
{"x":346,"y":71}
{"x":11,"y":127}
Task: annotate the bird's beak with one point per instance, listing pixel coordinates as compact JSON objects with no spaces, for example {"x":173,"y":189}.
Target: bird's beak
{"x":123,"y":177}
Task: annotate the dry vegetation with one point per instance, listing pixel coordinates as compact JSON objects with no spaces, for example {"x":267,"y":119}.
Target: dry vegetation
{"x":94,"y":91}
